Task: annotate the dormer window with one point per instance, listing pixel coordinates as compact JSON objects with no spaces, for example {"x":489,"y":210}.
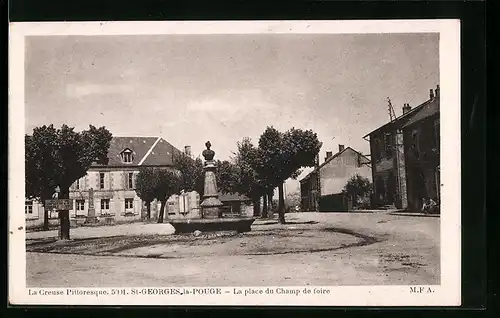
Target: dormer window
{"x":127,"y":156}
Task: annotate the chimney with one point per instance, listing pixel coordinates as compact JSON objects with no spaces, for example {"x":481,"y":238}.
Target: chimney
{"x":341,"y":148}
{"x":406,"y":108}
{"x":437,"y":91}
{"x":187,"y":150}
{"x":328,"y":155}
{"x":431,"y":94}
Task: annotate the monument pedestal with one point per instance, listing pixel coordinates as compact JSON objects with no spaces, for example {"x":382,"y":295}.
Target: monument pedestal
{"x":91,"y":218}
{"x":211,"y":212}
{"x":210,"y":207}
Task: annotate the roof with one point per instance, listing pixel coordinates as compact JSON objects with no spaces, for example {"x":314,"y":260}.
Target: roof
{"x":147,"y":151}
{"x":225,"y":197}
{"x":428,"y":110}
{"x":330,"y":159}
{"x":403,"y":119}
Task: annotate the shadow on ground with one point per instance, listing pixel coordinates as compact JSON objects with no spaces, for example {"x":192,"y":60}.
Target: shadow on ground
{"x":260,"y":242}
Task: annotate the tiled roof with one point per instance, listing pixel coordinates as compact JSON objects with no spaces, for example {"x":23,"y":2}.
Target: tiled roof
{"x":142,"y":149}
{"x":401,"y":120}
{"x":333,"y":157}
{"x":428,"y":110}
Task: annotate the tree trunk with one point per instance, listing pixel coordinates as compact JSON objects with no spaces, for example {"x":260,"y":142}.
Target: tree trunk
{"x":256,"y":207}
{"x":64,"y":215}
{"x":148,"y":210}
{"x":162,"y":211}
{"x":281,"y":204}
{"x":270,"y":204}
{"x":45,"y":216}
{"x":45,"y":196}
{"x":264,"y":207}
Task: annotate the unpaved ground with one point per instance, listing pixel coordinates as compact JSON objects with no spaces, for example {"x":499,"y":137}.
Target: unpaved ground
{"x":340,"y":249}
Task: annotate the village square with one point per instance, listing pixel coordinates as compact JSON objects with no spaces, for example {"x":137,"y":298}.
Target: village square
{"x":256,"y":176}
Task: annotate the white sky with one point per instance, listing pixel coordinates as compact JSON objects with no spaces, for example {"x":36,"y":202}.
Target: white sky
{"x":192,"y":88}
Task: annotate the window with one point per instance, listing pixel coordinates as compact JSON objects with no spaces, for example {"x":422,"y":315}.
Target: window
{"x":80,"y":205}
{"x":28,"y":207}
{"x":127,"y":156}
{"x":388,"y":144}
{"x":130,"y":180}
{"x":77,"y":184}
{"x":436,"y":133}
{"x":104,"y":204}
{"x":416,"y":144}
{"x":101,"y":180}
{"x":129,"y":204}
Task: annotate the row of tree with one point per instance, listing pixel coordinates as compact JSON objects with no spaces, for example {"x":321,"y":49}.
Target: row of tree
{"x":58,"y":157}
{"x":253,"y":171}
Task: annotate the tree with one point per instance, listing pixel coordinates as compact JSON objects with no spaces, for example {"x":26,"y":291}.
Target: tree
{"x":358,"y":186}
{"x":168,"y":183}
{"x":146,"y":184}
{"x":283,"y":155}
{"x":250,"y":183}
{"x":192,"y":176}
{"x":59,"y":157}
{"x":157,"y":183}
{"x":293,"y":199}
{"x":227,"y":176}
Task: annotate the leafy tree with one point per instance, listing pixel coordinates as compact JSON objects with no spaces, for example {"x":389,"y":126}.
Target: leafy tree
{"x":250,"y":183}
{"x":192,"y":174}
{"x":159,"y":184}
{"x":168,"y":183}
{"x":227,"y":176}
{"x":59,"y":157}
{"x":358,"y":186}
{"x":293,"y":199}
{"x":145,"y":184}
{"x":282,"y":155}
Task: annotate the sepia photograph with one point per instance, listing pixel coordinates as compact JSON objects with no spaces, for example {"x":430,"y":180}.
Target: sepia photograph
{"x":235,"y":163}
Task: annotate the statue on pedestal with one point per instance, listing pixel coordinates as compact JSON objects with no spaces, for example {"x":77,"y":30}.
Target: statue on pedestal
{"x":210,"y":207}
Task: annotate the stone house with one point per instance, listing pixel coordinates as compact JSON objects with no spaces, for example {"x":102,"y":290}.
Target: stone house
{"x":323,"y":186}
{"x":108,"y":191}
{"x":393,"y":156}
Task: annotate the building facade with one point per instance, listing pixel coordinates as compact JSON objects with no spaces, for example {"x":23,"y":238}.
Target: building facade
{"x":327,"y":181}
{"x":108,"y":191}
{"x":394,"y":159}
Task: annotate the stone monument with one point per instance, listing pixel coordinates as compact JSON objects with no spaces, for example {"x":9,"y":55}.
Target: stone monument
{"x":210,"y":206}
{"x":211,"y":218}
{"x":91,"y":217}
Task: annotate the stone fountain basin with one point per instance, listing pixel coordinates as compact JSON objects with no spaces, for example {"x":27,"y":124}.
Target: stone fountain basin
{"x":240,"y":225}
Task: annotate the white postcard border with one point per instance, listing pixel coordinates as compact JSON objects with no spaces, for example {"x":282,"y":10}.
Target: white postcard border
{"x":446,"y":294}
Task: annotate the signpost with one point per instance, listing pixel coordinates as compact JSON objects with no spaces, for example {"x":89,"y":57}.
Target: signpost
{"x":59,"y":204}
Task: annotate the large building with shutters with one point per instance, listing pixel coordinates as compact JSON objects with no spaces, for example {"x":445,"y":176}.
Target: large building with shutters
{"x":110,"y":189}
{"x":405,"y":156}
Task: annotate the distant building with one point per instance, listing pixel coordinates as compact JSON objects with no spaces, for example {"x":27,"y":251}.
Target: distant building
{"x":405,"y":156}
{"x":321,"y":190}
{"x":236,"y":204}
{"x":113,"y":186}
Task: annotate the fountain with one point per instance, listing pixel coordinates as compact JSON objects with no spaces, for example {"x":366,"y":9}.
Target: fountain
{"x":211,"y":218}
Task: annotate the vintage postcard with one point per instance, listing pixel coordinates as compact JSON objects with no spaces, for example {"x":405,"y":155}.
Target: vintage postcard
{"x":235,"y":163}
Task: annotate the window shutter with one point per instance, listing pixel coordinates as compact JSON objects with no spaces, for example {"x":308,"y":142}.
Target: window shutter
{"x":97,"y":181}
{"x":111,"y":181}
{"x":125,"y":181}
{"x":134,"y":177}
{"x":72,"y":186}
{"x":86,"y":182}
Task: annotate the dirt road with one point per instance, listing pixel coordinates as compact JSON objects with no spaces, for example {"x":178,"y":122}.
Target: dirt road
{"x":404,"y":250}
